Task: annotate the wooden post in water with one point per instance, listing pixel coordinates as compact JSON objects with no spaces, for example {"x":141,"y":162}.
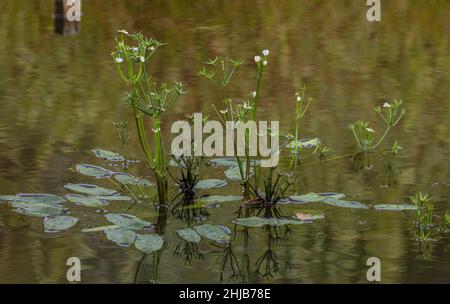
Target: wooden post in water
{"x":67,"y":17}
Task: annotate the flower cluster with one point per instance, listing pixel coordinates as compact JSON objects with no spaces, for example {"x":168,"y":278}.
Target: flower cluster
{"x":262,"y":60}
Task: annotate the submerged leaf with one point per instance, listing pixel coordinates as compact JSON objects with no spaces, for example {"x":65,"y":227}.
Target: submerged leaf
{"x":108,"y":155}
{"x":120,"y":236}
{"x":59,"y":223}
{"x":127,"y":221}
{"x":400,"y":207}
{"x":34,"y":198}
{"x":344,"y":204}
{"x":210,"y":183}
{"x":189,"y":235}
{"x":149,"y":243}
{"x":94,"y":171}
{"x":262,"y":221}
{"x":220,"y":198}
{"x":304,"y":143}
{"x":212,"y":232}
{"x":88,"y":201}
{"x":234,"y":173}
{"x":89,"y":189}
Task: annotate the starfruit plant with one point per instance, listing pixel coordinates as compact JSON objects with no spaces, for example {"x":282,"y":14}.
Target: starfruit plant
{"x":131,"y":56}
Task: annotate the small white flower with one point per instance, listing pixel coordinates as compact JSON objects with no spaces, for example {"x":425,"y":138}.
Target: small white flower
{"x":254,"y":94}
{"x":299,"y":98}
{"x":152,"y":48}
{"x":266,"y":52}
{"x":142,"y":59}
{"x":247,"y":106}
{"x":123,"y":32}
{"x":257,"y":59}
{"x":370,"y":130}
{"x":223,"y":111}
{"x":119,"y":60}
{"x":157,"y":130}
{"x":386,"y":105}
{"x":265,"y":62}
{"x":135,"y":49}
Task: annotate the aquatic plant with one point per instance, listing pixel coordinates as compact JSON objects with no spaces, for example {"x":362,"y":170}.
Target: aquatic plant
{"x":301,"y":106}
{"x":124,"y":138}
{"x":424,"y":215}
{"x":146,"y":98}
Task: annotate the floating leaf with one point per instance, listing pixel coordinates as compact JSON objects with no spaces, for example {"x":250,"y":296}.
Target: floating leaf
{"x":84,"y":200}
{"x":128,"y":179}
{"x":89,"y":189}
{"x":262,"y":221}
{"x":234,"y":173}
{"x":59,"y":223}
{"x":148,"y":243}
{"x":120,"y":236}
{"x":101,"y":228}
{"x":308,"y":216}
{"x":400,"y":207}
{"x":315,"y":197}
{"x":210,"y":183}
{"x":220,"y":198}
{"x":304,"y":143}
{"x":344,"y":204}
{"x":127,"y":221}
{"x":37,"y":209}
{"x":94,"y":171}
{"x":108,"y":155}
{"x":189,"y":235}
{"x":34,"y":198}
{"x":226,"y":162}
{"x":113,"y":197}
{"x":212,"y":232}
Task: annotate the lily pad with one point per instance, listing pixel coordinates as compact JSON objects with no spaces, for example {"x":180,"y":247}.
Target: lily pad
{"x":34,"y":198}
{"x":344,"y":204}
{"x":101,"y":228}
{"x":234,"y":174}
{"x":121,"y":236}
{"x":94,"y":171}
{"x":400,"y":207}
{"x":113,"y":197}
{"x":108,"y":155}
{"x":262,"y":221}
{"x":210,"y":183}
{"x":59,"y":223}
{"x":88,"y":201}
{"x":89,"y":189}
{"x":220,"y":198}
{"x":128,"y":179}
{"x":189,"y":235}
{"x":148,"y":243}
{"x":315,"y":197}
{"x":37,"y":209}
{"x":212,"y":232}
{"x":304,"y":143}
{"x":127,"y":221}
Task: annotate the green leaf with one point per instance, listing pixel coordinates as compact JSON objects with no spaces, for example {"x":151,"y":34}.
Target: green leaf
{"x":89,"y":189}
{"x":212,"y":232}
{"x":220,"y":199}
{"x":210,"y":183}
{"x":34,"y":198}
{"x":121,"y":236}
{"x":37,"y":209}
{"x":101,"y":228}
{"x":128,"y":179}
{"x":344,"y":204}
{"x":315,"y":197}
{"x":262,"y":221}
{"x":400,"y":207}
{"x":94,"y":171}
{"x":90,"y":201}
{"x":148,"y":243}
{"x":189,"y":235}
{"x":234,"y":174}
{"x":113,"y":197}
{"x":304,"y":143}
{"x":59,"y":223}
{"x":127,"y":221}
{"x":108,"y":155}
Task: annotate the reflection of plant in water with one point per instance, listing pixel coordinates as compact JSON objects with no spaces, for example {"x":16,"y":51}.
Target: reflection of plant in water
{"x":445,"y":225}
{"x":391,"y":169}
{"x":187,"y":210}
{"x":140,"y":275}
{"x":124,"y":137}
{"x":424,"y":215}
{"x":188,"y":251}
{"x":146,"y":99}
{"x":268,"y":265}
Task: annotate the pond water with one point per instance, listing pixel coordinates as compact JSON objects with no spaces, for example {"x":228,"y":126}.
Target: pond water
{"x":60,"y":94}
